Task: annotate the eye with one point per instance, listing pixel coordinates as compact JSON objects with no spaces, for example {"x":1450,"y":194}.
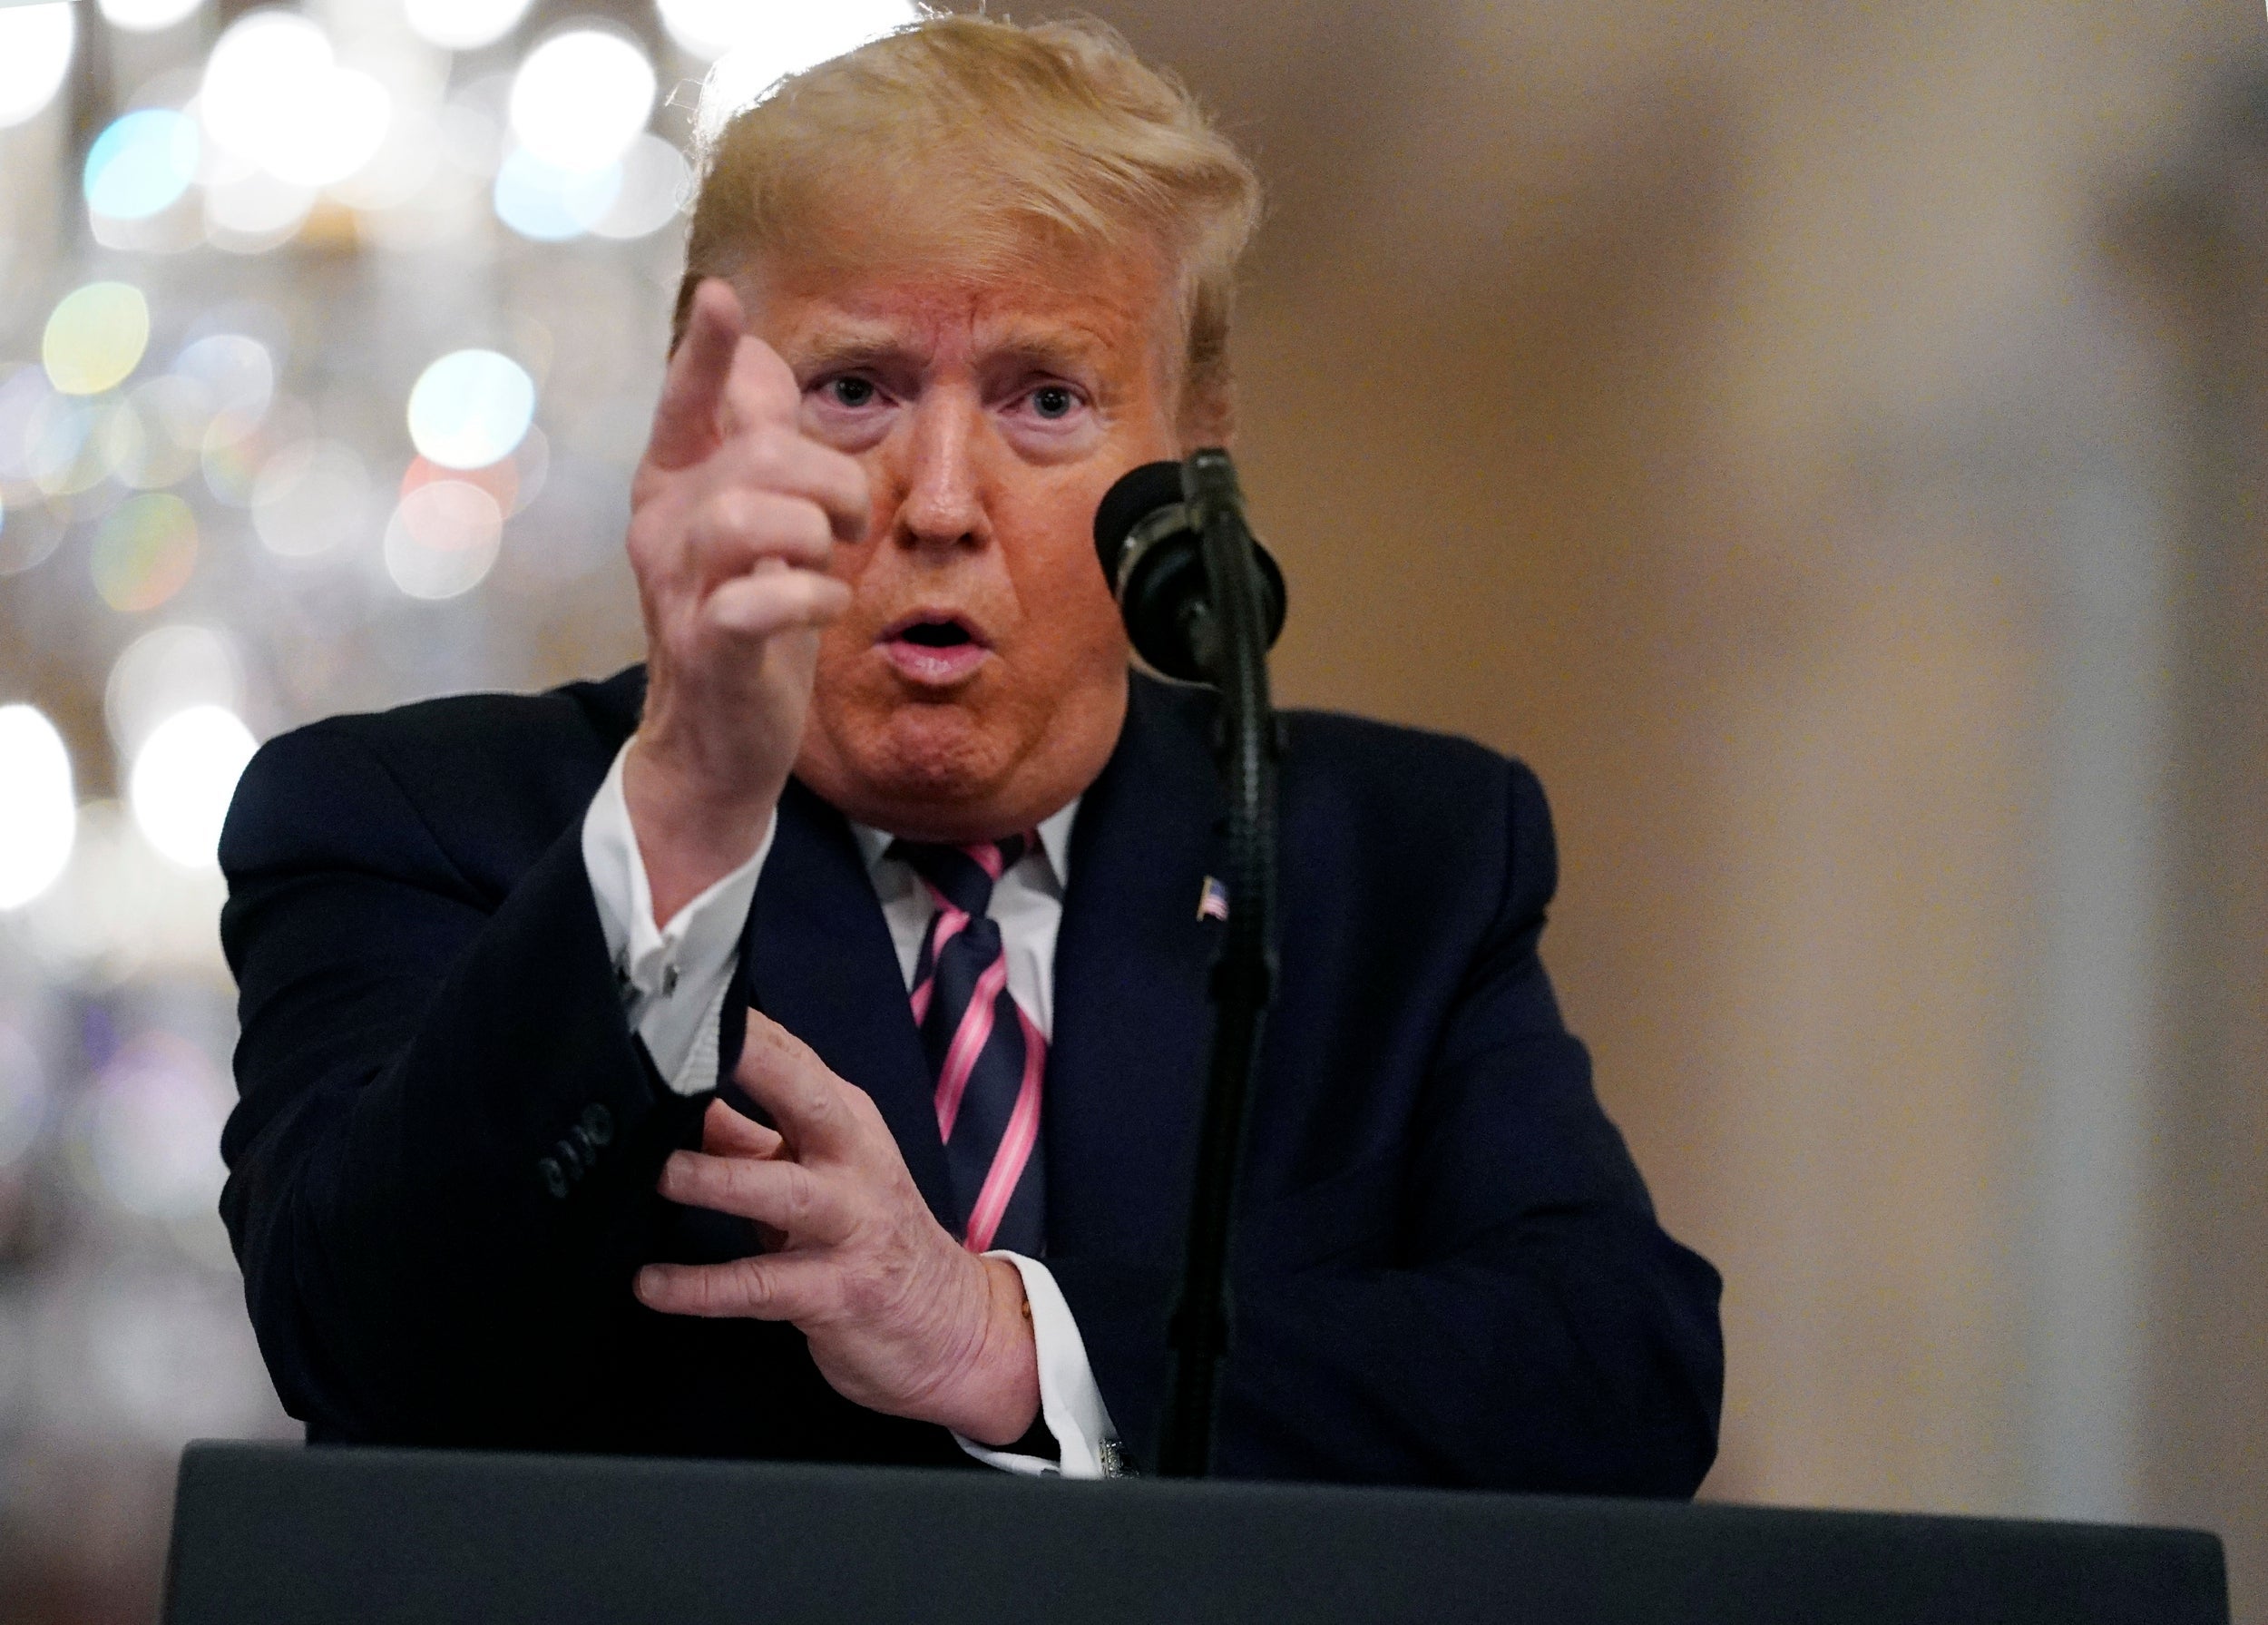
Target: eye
{"x":1053,"y":401}
{"x":851,"y":391}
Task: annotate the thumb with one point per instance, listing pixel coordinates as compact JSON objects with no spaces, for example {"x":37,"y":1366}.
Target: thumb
{"x":685,"y":422}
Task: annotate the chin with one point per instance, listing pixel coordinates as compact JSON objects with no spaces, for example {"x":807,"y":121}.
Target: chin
{"x":937,"y":754}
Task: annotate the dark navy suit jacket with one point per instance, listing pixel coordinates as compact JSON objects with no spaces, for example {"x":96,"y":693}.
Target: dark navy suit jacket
{"x":1446,"y":1270}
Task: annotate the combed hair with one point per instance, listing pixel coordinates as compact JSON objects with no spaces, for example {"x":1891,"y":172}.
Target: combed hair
{"x":985,"y":147}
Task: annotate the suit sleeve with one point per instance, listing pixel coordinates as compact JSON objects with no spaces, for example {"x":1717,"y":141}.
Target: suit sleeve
{"x":441,"y":1164}
{"x":1530,"y":1326}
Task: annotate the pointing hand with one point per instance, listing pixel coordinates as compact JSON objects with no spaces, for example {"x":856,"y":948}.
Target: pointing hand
{"x":733,"y":516}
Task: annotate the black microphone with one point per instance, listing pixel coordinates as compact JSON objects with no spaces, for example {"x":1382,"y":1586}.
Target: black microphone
{"x":1153,"y":556}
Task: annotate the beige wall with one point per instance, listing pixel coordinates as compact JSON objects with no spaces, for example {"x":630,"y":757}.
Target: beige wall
{"x":1707,"y":405}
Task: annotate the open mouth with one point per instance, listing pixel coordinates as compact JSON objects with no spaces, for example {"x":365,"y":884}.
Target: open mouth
{"x":933,"y":647}
{"x":937,"y":634}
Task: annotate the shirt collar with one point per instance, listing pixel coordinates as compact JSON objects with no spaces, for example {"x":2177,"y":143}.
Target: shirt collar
{"x":1055,"y":840}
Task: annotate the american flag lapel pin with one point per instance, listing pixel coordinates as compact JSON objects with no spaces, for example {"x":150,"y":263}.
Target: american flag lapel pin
{"x":1212,"y":902}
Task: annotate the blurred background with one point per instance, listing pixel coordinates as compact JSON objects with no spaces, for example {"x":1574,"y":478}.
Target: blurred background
{"x":1825,"y":440}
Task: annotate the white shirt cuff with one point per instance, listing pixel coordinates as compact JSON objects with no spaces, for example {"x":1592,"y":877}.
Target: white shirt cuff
{"x":672,"y":976}
{"x":1070,"y":1403}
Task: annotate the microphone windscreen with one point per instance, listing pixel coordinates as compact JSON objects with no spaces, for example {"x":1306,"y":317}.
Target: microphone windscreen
{"x":1138,"y":493}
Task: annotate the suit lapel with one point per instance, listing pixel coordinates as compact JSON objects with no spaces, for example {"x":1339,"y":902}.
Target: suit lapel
{"x":818,"y":961}
{"x":1125,"y":1070}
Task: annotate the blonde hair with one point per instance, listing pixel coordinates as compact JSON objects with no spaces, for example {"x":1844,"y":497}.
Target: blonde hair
{"x":985,"y":146}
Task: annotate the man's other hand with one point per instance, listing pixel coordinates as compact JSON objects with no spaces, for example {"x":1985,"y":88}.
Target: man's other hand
{"x":733,"y":515}
{"x":900,"y":1317}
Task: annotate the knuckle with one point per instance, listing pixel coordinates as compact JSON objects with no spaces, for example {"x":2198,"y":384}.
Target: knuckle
{"x":771,"y":450}
{"x":726,"y":513}
{"x":695,"y":1176}
{"x":824,"y":1110}
{"x":752,"y":1285}
{"x":643,"y":542}
{"x":696,"y":1292}
{"x":799,"y":1194}
{"x":812,"y":527}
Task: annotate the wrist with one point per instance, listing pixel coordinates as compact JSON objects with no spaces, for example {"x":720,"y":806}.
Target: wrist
{"x":997,"y":1397}
{"x":690,"y":835}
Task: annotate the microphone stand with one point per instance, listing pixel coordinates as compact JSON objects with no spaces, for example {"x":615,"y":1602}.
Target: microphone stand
{"x":1231,"y":643}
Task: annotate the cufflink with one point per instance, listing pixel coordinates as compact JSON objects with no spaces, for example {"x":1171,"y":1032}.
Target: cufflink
{"x":669,"y":980}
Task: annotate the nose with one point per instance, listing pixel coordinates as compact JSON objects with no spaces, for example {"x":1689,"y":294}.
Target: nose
{"x":944,"y":496}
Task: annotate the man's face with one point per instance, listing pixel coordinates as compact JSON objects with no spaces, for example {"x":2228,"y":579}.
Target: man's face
{"x":977,"y":681}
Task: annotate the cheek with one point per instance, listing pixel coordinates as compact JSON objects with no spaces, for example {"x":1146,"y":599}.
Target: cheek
{"x":1072,"y":632}
{"x":853,"y":564}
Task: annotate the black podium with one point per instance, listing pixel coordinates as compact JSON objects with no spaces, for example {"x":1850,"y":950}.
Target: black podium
{"x":328,"y":1536}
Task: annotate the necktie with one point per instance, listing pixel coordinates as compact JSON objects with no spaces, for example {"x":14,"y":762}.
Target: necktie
{"x":985,"y":1055}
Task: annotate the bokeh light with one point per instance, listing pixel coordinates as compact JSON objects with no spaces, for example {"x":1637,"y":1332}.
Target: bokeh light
{"x":654,"y":181}
{"x":500,"y":479}
{"x":147,"y":16}
{"x":275,"y":95}
{"x":195,"y":527}
{"x":142,"y":164}
{"x":254,"y":212}
{"x":708,"y":28}
{"x":24,"y":393}
{"x":405,"y":162}
{"x":309,"y":497}
{"x":443,"y":539}
{"x":60,"y":449}
{"x":580,"y":98}
{"x":235,"y":374}
{"x":169,"y":415}
{"x":470,"y":408}
{"x":94,"y":336}
{"x":122,"y":909}
{"x":531,"y":466}
{"x":183,"y":776}
{"x":22,"y":1094}
{"x":165,"y":670}
{"x":464,"y":24}
{"x":150,"y":1127}
{"x":546,"y":203}
{"x":37,"y":812}
{"x":144,"y":552}
{"x":256,"y":83}
{"x":30,"y":532}
{"x":765,"y":43}
{"x":232,"y":456}
{"x":36,"y":43}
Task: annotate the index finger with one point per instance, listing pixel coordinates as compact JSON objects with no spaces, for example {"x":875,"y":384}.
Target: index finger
{"x":782,"y":1075}
{"x":685,"y":420}
{"x":759,"y":388}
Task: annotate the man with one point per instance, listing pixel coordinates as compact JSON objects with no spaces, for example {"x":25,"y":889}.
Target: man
{"x":792,"y":1047}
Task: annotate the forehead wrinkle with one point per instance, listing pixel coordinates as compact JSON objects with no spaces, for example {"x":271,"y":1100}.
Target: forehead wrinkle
{"x":839,"y":339}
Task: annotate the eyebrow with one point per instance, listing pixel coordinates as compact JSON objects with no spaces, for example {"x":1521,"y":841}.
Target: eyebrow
{"x":1042,"y":350}
{"x":1055,"y":350}
{"x":831,"y":350}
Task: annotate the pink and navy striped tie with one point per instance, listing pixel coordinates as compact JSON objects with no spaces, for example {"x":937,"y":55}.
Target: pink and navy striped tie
{"x":985,"y":1054}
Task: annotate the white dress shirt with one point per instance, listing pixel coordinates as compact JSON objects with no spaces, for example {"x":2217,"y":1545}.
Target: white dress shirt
{"x":673,"y":980}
